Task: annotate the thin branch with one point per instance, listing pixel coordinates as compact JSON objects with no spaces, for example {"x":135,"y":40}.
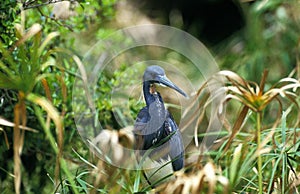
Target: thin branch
{"x":28,"y":3}
{"x":29,"y":6}
{"x":55,"y":20}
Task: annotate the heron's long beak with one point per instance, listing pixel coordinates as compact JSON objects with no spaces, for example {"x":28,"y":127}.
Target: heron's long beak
{"x":165,"y":81}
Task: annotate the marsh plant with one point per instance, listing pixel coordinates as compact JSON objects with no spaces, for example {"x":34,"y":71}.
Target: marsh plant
{"x":257,"y":147}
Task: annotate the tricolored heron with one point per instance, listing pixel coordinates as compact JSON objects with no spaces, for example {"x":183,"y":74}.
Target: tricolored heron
{"x":155,"y":129}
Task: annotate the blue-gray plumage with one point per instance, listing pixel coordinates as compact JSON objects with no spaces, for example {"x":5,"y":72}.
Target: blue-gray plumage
{"x":155,"y":125}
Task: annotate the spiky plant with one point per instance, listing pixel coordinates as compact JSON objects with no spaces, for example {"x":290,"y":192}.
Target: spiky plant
{"x":23,"y":66}
{"x":253,"y":98}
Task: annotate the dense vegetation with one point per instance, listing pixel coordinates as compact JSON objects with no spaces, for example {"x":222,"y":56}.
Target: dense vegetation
{"x":257,"y":149}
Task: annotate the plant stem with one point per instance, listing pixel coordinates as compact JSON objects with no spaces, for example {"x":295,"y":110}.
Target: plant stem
{"x":259,"y":162}
{"x":53,"y":144}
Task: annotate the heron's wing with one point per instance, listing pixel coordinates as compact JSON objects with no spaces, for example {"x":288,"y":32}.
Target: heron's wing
{"x":141,"y":122}
{"x":143,"y":116}
{"x":175,"y":142}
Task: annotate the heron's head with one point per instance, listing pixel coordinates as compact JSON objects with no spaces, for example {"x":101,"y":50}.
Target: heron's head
{"x":156,"y":74}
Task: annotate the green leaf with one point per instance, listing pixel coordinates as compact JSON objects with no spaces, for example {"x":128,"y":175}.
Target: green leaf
{"x":283,"y":127}
{"x":46,"y":41}
{"x":234,"y":166}
{"x":137,"y":181}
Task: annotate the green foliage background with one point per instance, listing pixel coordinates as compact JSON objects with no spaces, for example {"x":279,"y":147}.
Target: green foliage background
{"x":269,"y":40}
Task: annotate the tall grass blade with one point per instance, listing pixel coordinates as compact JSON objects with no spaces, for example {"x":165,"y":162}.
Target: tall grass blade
{"x":46,"y":41}
{"x":137,"y":181}
{"x":85,"y":82}
{"x":237,"y":125}
{"x":5,"y":122}
{"x":5,"y":137}
{"x":17,"y":149}
{"x":54,"y":115}
{"x":234,"y":166}
{"x":53,"y":144}
{"x":33,"y":30}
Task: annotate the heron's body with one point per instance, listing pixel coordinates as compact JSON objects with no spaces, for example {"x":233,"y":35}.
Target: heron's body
{"x":155,"y":128}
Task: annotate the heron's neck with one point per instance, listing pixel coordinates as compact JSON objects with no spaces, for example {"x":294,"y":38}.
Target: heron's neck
{"x":150,"y":97}
{"x":156,"y":107}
